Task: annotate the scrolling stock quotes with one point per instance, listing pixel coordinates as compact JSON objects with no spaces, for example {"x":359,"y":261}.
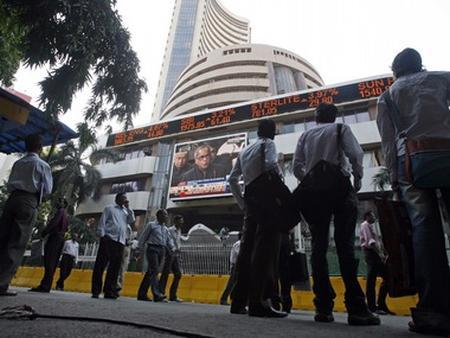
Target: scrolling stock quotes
{"x":271,"y":107}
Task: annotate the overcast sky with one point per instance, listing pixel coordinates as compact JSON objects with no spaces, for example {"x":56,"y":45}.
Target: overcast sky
{"x":343,"y":39}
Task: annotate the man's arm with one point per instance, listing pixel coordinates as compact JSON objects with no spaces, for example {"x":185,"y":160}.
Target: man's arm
{"x":144,"y":236}
{"x":47,"y":180}
{"x":299,"y":159}
{"x":354,"y":152}
{"x":102,"y":222}
{"x":235,"y":188}
{"x":54,"y":222}
{"x":388,"y":138}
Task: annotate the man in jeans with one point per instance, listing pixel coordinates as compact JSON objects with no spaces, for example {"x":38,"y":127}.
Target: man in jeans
{"x":336,"y":145}
{"x":420,"y":99}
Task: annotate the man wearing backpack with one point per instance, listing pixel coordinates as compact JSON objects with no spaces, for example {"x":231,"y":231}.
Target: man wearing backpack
{"x":325,"y":158}
{"x":414,"y":123}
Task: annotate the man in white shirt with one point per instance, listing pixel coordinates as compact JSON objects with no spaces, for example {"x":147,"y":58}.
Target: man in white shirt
{"x":232,"y":280}
{"x":68,"y":260}
{"x":112,"y":229}
{"x":420,"y":105}
{"x":29,"y":182}
{"x":333,"y":145}
{"x":172,"y":261}
{"x":260,"y":241}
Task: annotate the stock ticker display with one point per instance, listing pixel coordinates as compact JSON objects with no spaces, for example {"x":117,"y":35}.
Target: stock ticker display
{"x":271,"y":107}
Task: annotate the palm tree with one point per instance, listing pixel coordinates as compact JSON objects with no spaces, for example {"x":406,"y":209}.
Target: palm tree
{"x":381,"y":179}
{"x":74,"y":174}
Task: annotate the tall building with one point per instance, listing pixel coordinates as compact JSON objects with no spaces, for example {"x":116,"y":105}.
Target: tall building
{"x":236,"y":74}
{"x":197,"y":28}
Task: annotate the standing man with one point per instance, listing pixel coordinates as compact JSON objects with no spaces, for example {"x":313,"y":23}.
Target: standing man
{"x":336,"y":145}
{"x":69,"y":259}
{"x":156,"y":238}
{"x":172,"y":261}
{"x":260,"y":242}
{"x":55,"y":232}
{"x":232,"y":280}
{"x":419,"y":102}
{"x":375,"y":260}
{"x":112,"y":230}
{"x":29,"y":182}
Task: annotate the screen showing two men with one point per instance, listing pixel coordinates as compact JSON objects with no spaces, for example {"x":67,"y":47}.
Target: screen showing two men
{"x":201,"y":168}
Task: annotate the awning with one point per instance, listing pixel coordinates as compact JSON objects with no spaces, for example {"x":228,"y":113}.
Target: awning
{"x":18,"y":119}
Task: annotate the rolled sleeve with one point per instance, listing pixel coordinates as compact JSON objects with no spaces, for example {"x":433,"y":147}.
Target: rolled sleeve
{"x":299,"y":159}
{"x":353,"y":151}
{"x":235,"y":187}
{"x":388,"y":137}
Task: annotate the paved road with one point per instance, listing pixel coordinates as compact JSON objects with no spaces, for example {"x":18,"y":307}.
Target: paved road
{"x":208,"y":320}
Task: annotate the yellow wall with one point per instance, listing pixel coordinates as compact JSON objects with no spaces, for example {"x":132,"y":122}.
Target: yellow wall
{"x":197,"y":288}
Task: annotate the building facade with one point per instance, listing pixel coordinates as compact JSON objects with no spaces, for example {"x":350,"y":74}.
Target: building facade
{"x":148,"y":152}
{"x":239,"y":73}
{"x":197,"y":28}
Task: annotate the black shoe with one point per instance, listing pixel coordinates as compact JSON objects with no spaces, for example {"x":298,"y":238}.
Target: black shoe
{"x":426,"y":322}
{"x":59,"y":288}
{"x":383,"y":310}
{"x":238,"y":309}
{"x":39,"y":289}
{"x":144,"y":298}
{"x":94,"y":296}
{"x":7,"y":293}
{"x":176,"y":299}
{"x":110,"y":296}
{"x":257,"y":310}
{"x":363,"y":318}
{"x":224,"y":302}
{"x":322,"y":317}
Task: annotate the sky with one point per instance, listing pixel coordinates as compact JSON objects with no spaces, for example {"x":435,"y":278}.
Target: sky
{"x":343,"y":39}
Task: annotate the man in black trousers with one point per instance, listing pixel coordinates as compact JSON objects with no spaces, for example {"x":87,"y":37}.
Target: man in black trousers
{"x":29,"y":182}
{"x":260,"y":242}
{"x":324,"y":154}
{"x":156,"y":239}
{"x":54,"y":231}
{"x":112,"y":229}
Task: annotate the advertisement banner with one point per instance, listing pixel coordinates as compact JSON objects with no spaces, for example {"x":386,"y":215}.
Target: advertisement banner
{"x":200,"y":168}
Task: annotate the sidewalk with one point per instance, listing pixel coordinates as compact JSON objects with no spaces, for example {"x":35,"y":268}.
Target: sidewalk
{"x":209,"y":320}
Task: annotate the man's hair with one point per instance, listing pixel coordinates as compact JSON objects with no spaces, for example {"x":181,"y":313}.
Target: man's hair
{"x":266,"y":128}
{"x":160,"y":213}
{"x":367,"y":214}
{"x":408,"y":61}
{"x":203,"y":146}
{"x":326,"y":113}
{"x":177,"y":218}
{"x":33,"y":143}
{"x":119,"y":195}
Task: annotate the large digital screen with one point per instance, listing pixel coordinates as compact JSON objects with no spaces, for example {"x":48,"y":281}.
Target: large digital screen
{"x":201,"y":168}
{"x":359,"y":90}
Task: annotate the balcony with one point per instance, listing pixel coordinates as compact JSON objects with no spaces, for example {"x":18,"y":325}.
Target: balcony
{"x":136,"y":166}
{"x":138,"y":201}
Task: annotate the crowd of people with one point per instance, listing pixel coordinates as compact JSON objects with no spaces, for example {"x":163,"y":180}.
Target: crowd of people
{"x":413,"y":117}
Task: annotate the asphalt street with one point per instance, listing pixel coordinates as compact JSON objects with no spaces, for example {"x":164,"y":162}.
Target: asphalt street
{"x":201,"y":319}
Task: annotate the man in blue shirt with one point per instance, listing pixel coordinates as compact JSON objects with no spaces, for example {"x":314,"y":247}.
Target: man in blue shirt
{"x":112,"y":229}
{"x":30,"y":180}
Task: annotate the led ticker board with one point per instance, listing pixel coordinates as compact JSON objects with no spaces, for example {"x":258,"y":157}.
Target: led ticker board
{"x":361,"y":90}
